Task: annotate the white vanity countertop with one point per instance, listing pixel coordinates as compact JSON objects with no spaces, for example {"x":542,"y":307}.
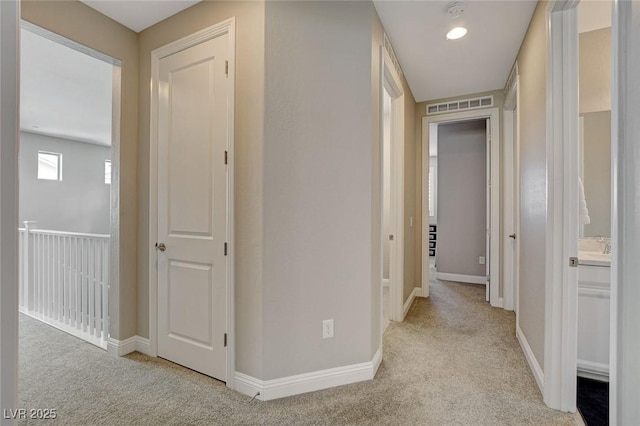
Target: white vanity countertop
{"x":594,"y":258}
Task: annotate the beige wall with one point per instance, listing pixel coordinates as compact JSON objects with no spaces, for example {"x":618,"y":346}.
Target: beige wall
{"x":597,"y":172}
{"x":84,"y":25}
{"x":376,"y":40}
{"x":318,"y":187}
{"x":410,"y":193}
{"x":411,"y":201}
{"x":532,"y":63}
{"x":248,"y":164}
{"x":462,"y":196}
{"x":595,"y":71}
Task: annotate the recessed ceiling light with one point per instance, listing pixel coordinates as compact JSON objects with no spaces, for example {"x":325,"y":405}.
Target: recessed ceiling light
{"x":456,"y":33}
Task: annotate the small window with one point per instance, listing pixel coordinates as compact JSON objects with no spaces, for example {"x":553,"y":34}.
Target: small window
{"x":49,"y":166}
{"x":107,"y":172}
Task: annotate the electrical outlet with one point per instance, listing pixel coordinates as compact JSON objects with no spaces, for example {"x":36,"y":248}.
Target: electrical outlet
{"x":327,"y":329}
{"x":481,"y":260}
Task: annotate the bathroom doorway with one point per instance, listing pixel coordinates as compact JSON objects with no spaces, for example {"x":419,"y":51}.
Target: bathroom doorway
{"x":594,"y":244}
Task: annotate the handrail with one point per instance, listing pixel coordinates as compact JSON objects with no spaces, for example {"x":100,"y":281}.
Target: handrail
{"x":69,"y":234}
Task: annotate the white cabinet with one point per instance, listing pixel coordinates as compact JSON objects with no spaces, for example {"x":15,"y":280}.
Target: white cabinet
{"x":594,"y":291}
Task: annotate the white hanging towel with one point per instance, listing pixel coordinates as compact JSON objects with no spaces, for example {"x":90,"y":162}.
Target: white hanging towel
{"x":584,"y":211}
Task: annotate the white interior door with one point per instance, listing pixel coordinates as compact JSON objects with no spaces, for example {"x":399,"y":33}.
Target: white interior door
{"x":192,"y":207}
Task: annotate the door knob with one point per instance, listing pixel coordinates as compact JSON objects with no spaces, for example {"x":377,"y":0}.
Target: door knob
{"x":512,"y":236}
{"x":161,"y":246}
{"x":391,"y":237}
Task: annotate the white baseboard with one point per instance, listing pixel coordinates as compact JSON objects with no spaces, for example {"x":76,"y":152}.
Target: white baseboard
{"x":531,"y":359}
{"x":472,"y":279}
{"x":416,"y":292}
{"x":593,"y":370}
{"x":266,"y":390}
{"x":126,"y":346}
{"x":143,"y":345}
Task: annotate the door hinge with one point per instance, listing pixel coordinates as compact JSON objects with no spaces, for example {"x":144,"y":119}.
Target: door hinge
{"x":573,"y":262}
{"x":226,"y":68}
{"x":226,"y":157}
{"x":225,"y":249}
{"x":225,"y":340}
{"x":488,"y":278}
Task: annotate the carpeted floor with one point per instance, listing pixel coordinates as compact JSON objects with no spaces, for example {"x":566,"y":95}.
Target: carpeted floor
{"x":454,"y":361}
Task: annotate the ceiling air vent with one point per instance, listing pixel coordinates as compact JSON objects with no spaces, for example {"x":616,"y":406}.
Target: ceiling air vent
{"x":461,"y":105}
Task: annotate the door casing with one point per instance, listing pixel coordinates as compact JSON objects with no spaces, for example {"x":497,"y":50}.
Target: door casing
{"x":224,"y":27}
{"x":494,"y":240}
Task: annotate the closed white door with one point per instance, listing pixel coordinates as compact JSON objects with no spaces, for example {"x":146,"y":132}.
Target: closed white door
{"x":192,"y":207}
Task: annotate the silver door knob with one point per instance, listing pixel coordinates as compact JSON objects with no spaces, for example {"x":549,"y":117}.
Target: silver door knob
{"x":161,"y":246}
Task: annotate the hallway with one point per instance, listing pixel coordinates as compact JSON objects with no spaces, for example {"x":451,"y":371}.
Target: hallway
{"x":454,"y":360}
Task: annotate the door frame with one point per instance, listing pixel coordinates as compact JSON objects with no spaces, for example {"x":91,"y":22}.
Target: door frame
{"x":390,"y":80}
{"x":561,"y":293}
{"x":511,"y":202}
{"x":494,"y":256}
{"x":224,"y":27}
{"x":114,"y":187}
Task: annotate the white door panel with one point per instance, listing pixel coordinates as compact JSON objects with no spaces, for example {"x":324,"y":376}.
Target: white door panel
{"x":192,"y":207}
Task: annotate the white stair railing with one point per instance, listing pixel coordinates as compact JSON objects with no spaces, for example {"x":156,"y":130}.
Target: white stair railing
{"x":64,"y":281}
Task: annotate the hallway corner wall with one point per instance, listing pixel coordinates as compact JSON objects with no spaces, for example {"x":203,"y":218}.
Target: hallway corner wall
{"x":532,"y":66}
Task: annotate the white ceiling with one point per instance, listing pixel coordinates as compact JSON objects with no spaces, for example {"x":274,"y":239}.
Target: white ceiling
{"x":139,"y":14}
{"x":434,"y":67}
{"x":438,"y":68}
{"x":63,"y":92}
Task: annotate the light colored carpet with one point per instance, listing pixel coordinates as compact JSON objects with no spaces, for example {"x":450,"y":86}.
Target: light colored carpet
{"x":454,"y":361}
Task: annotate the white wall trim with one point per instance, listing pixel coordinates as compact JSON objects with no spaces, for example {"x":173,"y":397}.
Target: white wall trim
{"x":494,"y":256}
{"x":123,"y":347}
{"x":531,"y":359}
{"x":561,"y":296}
{"x":416,"y":292}
{"x":9,"y":128}
{"x":593,"y":370}
{"x":471,"y":279}
{"x":225,"y":27}
{"x":267,"y":390}
{"x":624,"y":361}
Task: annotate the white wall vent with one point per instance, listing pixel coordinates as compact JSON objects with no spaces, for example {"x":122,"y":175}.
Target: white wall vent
{"x":461,"y":105}
{"x":392,"y":54}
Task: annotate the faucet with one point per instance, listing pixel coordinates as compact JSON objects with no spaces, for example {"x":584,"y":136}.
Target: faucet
{"x":607,"y":249}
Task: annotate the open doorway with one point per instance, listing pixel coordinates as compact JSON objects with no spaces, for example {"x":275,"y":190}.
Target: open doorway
{"x":457,"y":139}
{"x":594,"y":243}
{"x":391,"y":193}
{"x":68,"y":184}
